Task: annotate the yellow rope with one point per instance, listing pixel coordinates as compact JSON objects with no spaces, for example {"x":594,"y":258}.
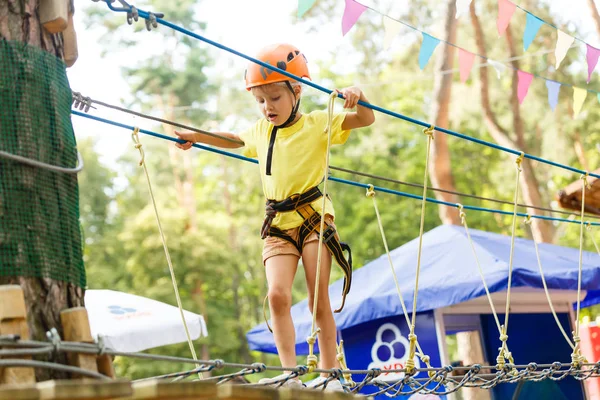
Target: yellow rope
{"x":463,"y":220}
{"x":371,"y":194}
{"x":504,"y":353}
{"x":537,"y":253}
{"x":589,"y":229}
{"x":341,"y":357}
{"x":410,"y":363}
{"x":312,"y":360}
{"x":576,"y":357}
{"x":142,"y":163}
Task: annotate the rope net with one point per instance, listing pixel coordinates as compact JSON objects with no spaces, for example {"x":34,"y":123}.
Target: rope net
{"x":39,"y":206}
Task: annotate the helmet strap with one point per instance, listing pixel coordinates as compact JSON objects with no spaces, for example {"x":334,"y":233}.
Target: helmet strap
{"x":292,"y":116}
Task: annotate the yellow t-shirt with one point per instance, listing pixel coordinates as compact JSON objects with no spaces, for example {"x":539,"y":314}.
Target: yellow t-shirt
{"x":298,"y":159}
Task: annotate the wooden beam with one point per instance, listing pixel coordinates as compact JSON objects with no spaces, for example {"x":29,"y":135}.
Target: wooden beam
{"x":19,"y":392}
{"x":54,"y":15}
{"x":91,"y":390}
{"x":165,"y":390}
{"x":243,"y":392}
{"x":13,"y":321}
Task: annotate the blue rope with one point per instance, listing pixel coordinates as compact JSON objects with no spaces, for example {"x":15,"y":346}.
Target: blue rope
{"x":145,"y":14}
{"x":339,"y":180}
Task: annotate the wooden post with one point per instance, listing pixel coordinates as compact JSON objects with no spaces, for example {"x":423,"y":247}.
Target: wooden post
{"x":76,"y":328}
{"x":92,"y":390}
{"x":70,"y":41}
{"x":19,"y":392}
{"x":165,"y":390}
{"x":54,"y":15}
{"x":13,"y":321}
{"x":105,"y":366}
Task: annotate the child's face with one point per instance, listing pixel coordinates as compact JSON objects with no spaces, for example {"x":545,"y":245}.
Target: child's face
{"x":275,"y":102}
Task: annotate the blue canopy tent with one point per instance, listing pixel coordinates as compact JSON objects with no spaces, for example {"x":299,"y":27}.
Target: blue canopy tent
{"x":448,"y":276}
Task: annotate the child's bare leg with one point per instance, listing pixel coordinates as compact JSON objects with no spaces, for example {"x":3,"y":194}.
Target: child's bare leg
{"x":325,"y":321}
{"x":280,"y":271}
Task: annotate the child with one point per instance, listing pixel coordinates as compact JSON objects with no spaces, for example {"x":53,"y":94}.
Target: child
{"x":291,"y":151}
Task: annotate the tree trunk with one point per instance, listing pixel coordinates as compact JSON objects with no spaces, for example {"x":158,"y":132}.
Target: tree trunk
{"x":40,"y":240}
{"x":529,"y":185}
{"x":439,"y":163}
{"x":595,"y":15}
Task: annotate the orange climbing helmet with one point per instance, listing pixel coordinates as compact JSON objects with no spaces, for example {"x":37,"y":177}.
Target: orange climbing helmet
{"x":283,"y":56}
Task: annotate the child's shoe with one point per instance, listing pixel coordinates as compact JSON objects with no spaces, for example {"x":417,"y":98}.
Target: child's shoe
{"x":293,"y":383}
{"x":333,"y":385}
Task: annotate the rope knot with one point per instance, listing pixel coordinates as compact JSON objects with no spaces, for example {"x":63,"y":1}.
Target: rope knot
{"x":584,"y":178}
{"x":503,"y":337}
{"x":370,"y":191}
{"x":425,"y":359}
{"x":519,"y":160}
{"x":258,"y":367}
{"x":311,"y":362}
{"x":429,"y":131}
{"x":527,"y":220}
{"x":218,"y":364}
{"x":138,"y":145}
{"x":588,"y":225}
{"x":461,"y":213}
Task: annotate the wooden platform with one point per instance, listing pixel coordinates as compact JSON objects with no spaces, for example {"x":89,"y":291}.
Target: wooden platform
{"x":155,"y":390}
{"x":570,"y":197}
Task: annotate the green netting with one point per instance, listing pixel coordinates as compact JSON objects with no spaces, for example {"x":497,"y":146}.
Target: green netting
{"x":39,"y":210}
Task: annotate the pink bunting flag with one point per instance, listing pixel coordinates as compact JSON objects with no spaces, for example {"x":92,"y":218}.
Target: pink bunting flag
{"x":506,"y":9}
{"x":525,"y":79}
{"x":465,"y":62}
{"x":352,"y":12}
{"x":592,"y":59}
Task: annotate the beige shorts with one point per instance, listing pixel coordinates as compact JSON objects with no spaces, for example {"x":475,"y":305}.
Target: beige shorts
{"x":274,"y":246}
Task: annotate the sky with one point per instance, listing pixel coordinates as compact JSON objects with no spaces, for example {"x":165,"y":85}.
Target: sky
{"x":253,"y":24}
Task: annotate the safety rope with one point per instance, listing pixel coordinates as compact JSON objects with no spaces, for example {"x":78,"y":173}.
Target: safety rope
{"x":410,"y":363}
{"x":576,"y":357}
{"x":528,"y":222}
{"x":503,"y":351}
{"x":142,"y":163}
{"x":463,"y":220}
{"x":371,"y":194}
{"x":312,"y":360}
{"x":589,"y":229}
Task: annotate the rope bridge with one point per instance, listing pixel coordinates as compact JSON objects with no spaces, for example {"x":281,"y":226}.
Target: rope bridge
{"x":444,"y":379}
{"x":439,"y":380}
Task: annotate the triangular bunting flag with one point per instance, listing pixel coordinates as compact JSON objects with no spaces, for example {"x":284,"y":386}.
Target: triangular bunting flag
{"x":392,"y":28}
{"x":592,"y":59}
{"x":304,"y":6}
{"x":532,"y":26}
{"x":579,"y":96}
{"x":563,"y":44}
{"x":525,"y":79}
{"x":462,"y":7}
{"x":498,"y":66}
{"x":553,"y":89}
{"x":352,"y":12}
{"x":506,"y":9}
{"x":465,"y":62}
{"x":427,"y":47}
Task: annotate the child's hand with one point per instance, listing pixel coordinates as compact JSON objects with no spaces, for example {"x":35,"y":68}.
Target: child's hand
{"x":189,"y":137}
{"x":351,"y":94}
